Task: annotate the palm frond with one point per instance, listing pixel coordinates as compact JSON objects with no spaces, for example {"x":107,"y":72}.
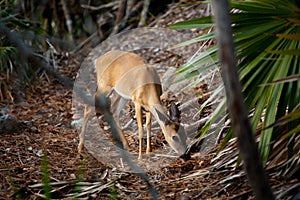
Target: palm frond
{"x":266,"y":35}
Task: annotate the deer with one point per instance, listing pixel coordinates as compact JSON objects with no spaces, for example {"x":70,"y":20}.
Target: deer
{"x":132,"y":78}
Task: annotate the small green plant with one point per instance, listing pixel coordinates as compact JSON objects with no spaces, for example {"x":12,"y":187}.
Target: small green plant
{"x":113,"y":193}
{"x":46,"y":178}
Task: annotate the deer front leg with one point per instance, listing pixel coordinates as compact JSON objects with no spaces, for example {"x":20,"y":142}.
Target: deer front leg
{"x":148,"y":128}
{"x":139,"y":119}
{"x":87,"y":113}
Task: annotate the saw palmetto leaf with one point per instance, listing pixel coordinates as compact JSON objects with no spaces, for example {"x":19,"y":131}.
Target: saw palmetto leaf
{"x":267,"y":43}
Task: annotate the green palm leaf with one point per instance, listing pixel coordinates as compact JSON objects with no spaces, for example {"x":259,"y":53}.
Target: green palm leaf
{"x":267,"y":43}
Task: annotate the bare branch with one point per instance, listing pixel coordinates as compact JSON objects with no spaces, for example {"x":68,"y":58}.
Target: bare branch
{"x":68,"y":19}
{"x":108,"y":5}
{"x":120,"y":15}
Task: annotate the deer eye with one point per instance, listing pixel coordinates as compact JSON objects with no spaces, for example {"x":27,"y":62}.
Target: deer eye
{"x":175,"y":138}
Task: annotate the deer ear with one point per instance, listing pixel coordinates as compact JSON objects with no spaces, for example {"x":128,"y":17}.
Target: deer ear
{"x":174,"y":112}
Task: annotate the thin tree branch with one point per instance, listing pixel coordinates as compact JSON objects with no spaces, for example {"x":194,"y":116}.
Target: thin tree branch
{"x":105,"y":6}
{"x":68,"y":19}
{"x":129,"y":7}
{"x":120,"y":15}
{"x":144,"y":13}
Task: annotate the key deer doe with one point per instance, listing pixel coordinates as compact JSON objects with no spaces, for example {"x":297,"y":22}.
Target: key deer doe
{"x":132,"y":78}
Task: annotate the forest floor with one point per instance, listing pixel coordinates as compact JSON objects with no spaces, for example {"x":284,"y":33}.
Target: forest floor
{"x":42,"y":154}
{"x":48,"y":109}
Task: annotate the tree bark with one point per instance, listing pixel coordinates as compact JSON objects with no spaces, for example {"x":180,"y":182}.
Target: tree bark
{"x":236,"y":106}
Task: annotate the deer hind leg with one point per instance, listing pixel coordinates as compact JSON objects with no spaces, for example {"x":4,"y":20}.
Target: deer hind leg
{"x":139,"y":119}
{"x":148,"y":128}
{"x":87,"y":113}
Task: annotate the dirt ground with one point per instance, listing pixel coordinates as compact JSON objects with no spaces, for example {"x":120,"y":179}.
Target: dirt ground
{"x":44,"y":135}
{"x":49,"y":133}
